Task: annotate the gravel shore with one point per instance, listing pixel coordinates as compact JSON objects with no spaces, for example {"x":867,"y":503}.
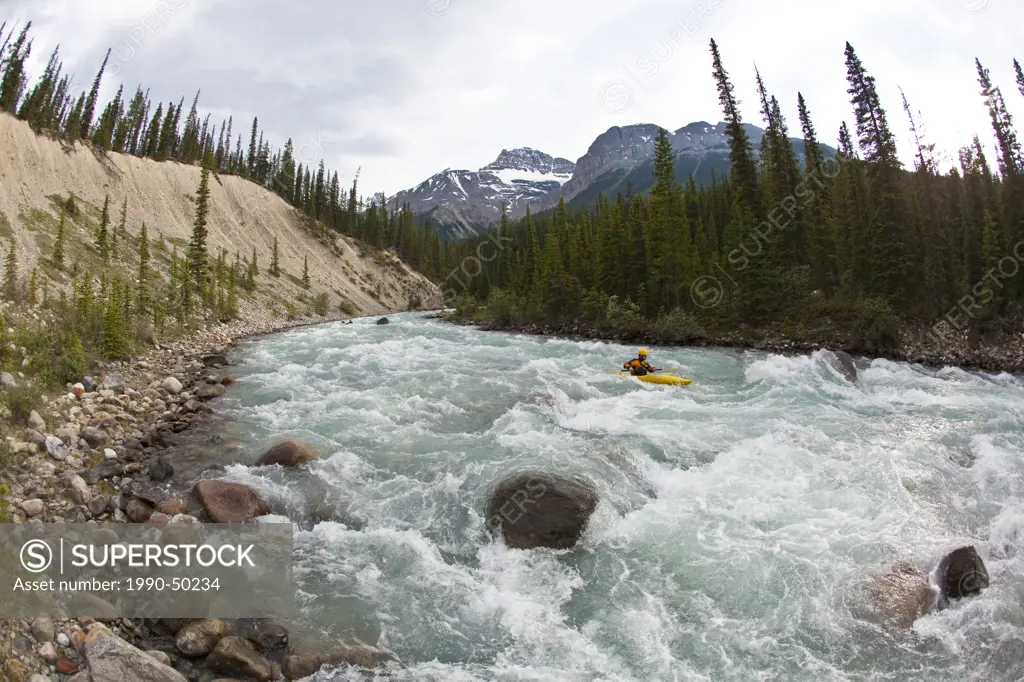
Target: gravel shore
{"x":81,"y":460}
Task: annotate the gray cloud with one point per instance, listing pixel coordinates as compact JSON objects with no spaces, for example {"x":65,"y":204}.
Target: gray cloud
{"x":404,"y":89}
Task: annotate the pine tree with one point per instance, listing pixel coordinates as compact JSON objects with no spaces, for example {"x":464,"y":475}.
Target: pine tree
{"x":33,"y":286}
{"x":743,"y":171}
{"x":252,"y":272}
{"x":305,"y":272}
{"x":822,"y":249}
{"x":1020,"y":76}
{"x":1011,"y":163}
{"x":12,"y":81}
{"x":889,"y":216}
{"x":275,"y":268}
{"x":90,"y":102}
{"x":6,"y":355}
{"x":142,"y":295}
{"x":232,"y":302}
{"x":57,"y":257}
{"x":10,"y":283}
{"x":197,"y":255}
{"x":876,"y":140}
{"x":253,"y":148}
{"x":114,"y":329}
{"x":102,"y":237}
{"x":122,"y":226}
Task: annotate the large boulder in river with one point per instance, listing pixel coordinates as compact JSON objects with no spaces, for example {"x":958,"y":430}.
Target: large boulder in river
{"x":287,"y":453}
{"x":903,"y":594}
{"x":226,"y":502}
{"x":961,"y":574}
{"x":383,"y":320}
{"x":541,"y":510}
{"x":843,"y":363}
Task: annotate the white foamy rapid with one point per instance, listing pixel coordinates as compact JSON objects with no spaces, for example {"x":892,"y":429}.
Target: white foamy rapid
{"x":739,"y":518}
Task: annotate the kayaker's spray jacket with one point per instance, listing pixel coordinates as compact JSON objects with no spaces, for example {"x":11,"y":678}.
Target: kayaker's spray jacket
{"x":638,"y":367}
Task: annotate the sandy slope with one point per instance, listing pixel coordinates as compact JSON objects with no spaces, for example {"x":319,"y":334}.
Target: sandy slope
{"x":242,"y":215}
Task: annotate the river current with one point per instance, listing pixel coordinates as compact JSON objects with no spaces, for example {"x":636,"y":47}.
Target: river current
{"x":740,"y":516}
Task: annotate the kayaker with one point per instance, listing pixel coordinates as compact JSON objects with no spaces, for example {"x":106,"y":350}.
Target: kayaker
{"x":639,"y":366}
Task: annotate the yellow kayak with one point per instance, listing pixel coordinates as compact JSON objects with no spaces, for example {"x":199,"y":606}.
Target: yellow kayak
{"x":666,"y":379}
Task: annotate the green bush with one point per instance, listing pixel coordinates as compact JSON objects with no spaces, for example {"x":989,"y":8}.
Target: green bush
{"x":678,"y":326}
{"x":877,"y":323}
{"x":625,"y":315}
{"x":466,"y":306}
{"x":54,"y":356}
{"x":347,"y":307}
{"x":504,"y":308}
{"x":321,"y":304}
{"x":21,"y":400}
{"x":594,"y":307}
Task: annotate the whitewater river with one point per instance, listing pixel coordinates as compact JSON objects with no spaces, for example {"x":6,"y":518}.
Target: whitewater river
{"x":740,"y":516}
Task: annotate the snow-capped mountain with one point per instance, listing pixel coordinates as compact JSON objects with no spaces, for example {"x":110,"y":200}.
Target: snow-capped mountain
{"x":462,"y":201}
{"x":624,"y":156}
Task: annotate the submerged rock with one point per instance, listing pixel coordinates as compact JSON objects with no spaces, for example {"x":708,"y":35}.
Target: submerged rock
{"x":287,"y":453}
{"x":903,"y":595}
{"x":229,"y":502}
{"x":160,"y":469}
{"x":297,"y":666}
{"x":844,"y":364}
{"x":541,"y":510}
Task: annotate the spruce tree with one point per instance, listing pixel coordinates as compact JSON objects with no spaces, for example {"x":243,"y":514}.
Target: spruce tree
{"x":142,"y":295}
{"x":6,"y":354}
{"x":251,"y":161}
{"x":876,"y":140}
{"x":275,"y":268}
{"x":197,"y":255}
{"x":114,"y":329}
{"x":1011,"y":163}
{"x":90,"y":102}
{"x":122,"y":226}
{"x":12,"y":70}
{"x":232,"y":303}
{"x":743,"y":172}
{"x":821,"y":242}
{"x":33,"y":286}
{"x":102,"y":236}
{"x":10,"y":283}
{"x":889,"y":218}
{"x":305,"y":272}
{"x":253,"y":271}
{"x":57,"y":257}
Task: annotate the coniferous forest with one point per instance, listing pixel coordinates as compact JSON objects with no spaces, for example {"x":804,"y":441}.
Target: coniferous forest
{"x":857,"y":243}
{"x":860,"y":242}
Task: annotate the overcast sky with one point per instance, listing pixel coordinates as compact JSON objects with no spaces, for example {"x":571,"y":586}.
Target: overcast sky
{"x":406,"y":88}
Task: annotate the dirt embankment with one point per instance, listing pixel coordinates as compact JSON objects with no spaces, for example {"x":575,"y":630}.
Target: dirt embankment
{"x":34,"y":169}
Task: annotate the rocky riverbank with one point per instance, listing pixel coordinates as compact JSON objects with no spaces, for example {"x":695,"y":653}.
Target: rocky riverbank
{"x":999,"y":353}
{"x":100,"y":453}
